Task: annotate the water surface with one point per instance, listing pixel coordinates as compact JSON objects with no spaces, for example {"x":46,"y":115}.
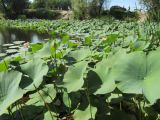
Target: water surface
{"x":9,"y":35}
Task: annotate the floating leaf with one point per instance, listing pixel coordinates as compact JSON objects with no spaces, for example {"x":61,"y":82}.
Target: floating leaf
{"x":7,"y":45}
{"x":14,"y":47}
{"x":2,"y":55}
{"x":10,"y":51}
{"x":18,"y":42}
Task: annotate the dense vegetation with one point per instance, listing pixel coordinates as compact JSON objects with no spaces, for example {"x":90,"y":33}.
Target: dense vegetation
{"x":91,"y":69}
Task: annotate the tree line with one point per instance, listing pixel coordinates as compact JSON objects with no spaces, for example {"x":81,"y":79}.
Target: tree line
{"x":81,"y":8}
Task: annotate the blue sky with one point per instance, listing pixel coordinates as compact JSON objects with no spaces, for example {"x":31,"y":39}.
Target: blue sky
{"x":126,"y":3}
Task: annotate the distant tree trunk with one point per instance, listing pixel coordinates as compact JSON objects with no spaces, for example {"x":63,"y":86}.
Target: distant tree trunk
{"x":4,"y":6}
{"x":101,"y":2}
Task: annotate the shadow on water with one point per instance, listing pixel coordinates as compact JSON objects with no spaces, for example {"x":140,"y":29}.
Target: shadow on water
{"x":9,"y":35}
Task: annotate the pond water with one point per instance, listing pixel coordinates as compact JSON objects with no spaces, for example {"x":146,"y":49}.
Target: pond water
{"x":9,"y":35}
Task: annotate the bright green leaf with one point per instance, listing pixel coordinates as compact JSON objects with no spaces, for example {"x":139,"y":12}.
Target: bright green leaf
{"x":73,"y":78}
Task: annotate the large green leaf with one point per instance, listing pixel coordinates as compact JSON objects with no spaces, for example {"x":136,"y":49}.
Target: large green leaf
{"x":9,"y":89}
{"x":151,"y":87}
{"x":130,"y":71}
{"x":139,"y":73}
{"x":104,"y":72}
{"x":46,"y":95}
{"x":87,"y":114}
{"x":73,"y":78}
{"x":35,"y":69}
{"x":45,"y":51}
{"x":80,"y":54}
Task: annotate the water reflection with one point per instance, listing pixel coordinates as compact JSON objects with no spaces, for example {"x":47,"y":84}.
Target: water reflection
{"x":9,"y":35}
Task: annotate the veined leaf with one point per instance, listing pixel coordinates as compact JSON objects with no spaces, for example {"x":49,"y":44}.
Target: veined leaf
{"x":35,"y":69}
{"x":45,"y":51}
{"x":80,"y":54}
{"x":104,"y":72}
{"x":139,"y":73}
{"x":46,"y":95}
{"x":73,"y":78}
{"x":9,"y":89}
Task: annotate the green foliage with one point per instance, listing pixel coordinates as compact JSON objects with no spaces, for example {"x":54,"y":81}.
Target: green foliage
{"x":35,"y":70}
{"x":118,"y":12}
{"x":10,"y":90}
{"x":41,"y":13}
{"x":23,"y":17}
{"x":51,"y":4}
{"x":84,"y":9}
{"x":14,"y":8}
{"x":106,"y":70}
{"x":79,"y":8}
{"x":73,"y":79}
{"x":153,"y":9}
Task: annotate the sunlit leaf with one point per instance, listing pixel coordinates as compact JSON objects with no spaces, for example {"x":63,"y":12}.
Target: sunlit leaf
{"x":73,"y":78}
{"x":35,"y":69}
{"x":9,"y":89}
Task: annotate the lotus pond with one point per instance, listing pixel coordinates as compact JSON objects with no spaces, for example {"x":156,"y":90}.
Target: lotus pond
{"x":89,"y":70}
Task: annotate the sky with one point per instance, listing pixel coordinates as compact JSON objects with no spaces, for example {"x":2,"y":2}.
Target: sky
{"x":133,"y":4}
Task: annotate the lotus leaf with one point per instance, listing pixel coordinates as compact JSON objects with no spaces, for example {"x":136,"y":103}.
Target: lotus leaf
{"x":73,"y":78}
{"x":9,"y":89}
{"x":35,"y":69}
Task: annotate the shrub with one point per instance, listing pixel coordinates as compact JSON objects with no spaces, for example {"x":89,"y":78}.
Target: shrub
{"x":118,"y":12}
{"x":41,"y":13}
{"x":23,"y":17}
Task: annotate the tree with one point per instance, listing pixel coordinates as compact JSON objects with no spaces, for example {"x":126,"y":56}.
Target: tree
{"x":153,"y":7}
{"x":95,"y":7}
{"x":87,"y":8}
{"x":52,"y":4}
{"x":17,"y":6}
{"x":3,"y":4}
{"x":13,"y":7}
{"x":39,"y":4}
{"x":79,"y":8}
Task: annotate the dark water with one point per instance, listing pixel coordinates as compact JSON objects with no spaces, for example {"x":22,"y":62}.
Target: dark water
{"x":9,"y":35}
